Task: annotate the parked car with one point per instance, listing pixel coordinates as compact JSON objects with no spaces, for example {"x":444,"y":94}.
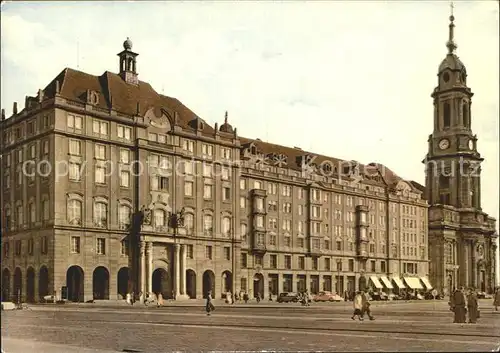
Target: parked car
{"x":287,"y":297}
{"x":379,"y":296}
{"x":327,"y":297}
{"x":484,"y":295}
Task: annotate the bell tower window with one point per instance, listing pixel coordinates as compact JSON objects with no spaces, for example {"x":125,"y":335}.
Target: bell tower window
{"x":465,"y":114}
{"x":128,"y":63}
{"x":446,"y":115}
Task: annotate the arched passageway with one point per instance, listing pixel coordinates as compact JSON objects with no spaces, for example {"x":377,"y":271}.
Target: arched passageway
{"x":161,"y":283}
{"x":123,"y":278}
{"x":227,"y":282}
{"x":100,"y":283}
{"x":258,"y":285}
{"x":191,"y":284}
{"x":18,"y":285}
{"x":6,"y":285}
{"x":75,"y":284}
{"x":208,"y":283}
{"x":43,"y":282}
{"x":30,"y":285}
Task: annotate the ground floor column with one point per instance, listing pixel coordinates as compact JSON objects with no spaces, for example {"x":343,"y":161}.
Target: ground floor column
{"x":183,"y":269}
{"x":142,"y":266}
{"x":281,"y":278}
{"x":149,"y":267}
{"x":177,"y":263}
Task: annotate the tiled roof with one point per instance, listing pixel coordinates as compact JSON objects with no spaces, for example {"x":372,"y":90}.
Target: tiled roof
{"x":127,"y":98}
{"x":123,"y":97}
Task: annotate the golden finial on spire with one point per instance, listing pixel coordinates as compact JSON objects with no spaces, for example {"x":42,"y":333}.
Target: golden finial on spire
{"x":451,"y":45}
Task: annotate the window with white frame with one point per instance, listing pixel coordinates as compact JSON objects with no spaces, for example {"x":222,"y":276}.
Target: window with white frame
{"x":75,"y":245}
{"x":226,"y":193}
{"x":316,"y":195}
{"x":189,"y":223}
{"x":100,"y":173}
{"x":75,"y":147}
{"x":259,"y":204}
{"x":46,"y":210}
{"x":74,"y":212}
{"x":75,"y":122}
{"x":188,"y":188}
{"x":124,"y":216}
{"x":287,"y":190}
{"x":33,"y":151}
{"x":101,"y":246}
{"x":243,"y":231}
{"x":124,"y":247}
{"x":225,"y":174}
{"x":272,"y":223}
{"x":207,"y":150}
{"x":124,"y":156}
{"x":32,"y":212}
{"x":225,"y":153}
{"x":316,"y":227}
{"x":100,"y":214}
{"x":257,"y":185}
{"x":259,"y":221}
{"x":125,"y":179}
{"x":188,"y":167}
{"x":207,"y":191}
{"x":243,"y":184}
{"x":19,"y":215}
{"x":100,"y":127}
{"x":300,"y":227}
{"x":287,"y":225}
{"x":160,"y":217}
{"x":207,"y":170}
{"x":243,"y":202}
{"x":316,"y":211}
{"x":226,"y":226}
{"x":188,"y":145}
{"x":100,"y":152}
{"x":74,"y":172}
{"x":272,"y":188}
{"x":124,"y":132}
{"x":207,"y":224}
{"x":208,"y":252}
{"x":301,"y":210}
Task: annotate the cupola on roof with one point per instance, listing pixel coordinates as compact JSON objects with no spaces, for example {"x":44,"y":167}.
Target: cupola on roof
{"x":451,"y":62}
{"x":127,"y":45}
{"x":226,"y":127}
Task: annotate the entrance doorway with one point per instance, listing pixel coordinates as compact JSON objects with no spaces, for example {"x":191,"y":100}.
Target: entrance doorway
{"x":160,"y":283}
{"x":100,"y":283}
{"x":43,"y":282}
{"x":30,"y":285}
{"x":258,"y":285}
{"x":227,"y":282}
{"x":191,"y":284}
{"x":123,"y":278}
{"x":74,"y":284}
{"x":208,"y":283}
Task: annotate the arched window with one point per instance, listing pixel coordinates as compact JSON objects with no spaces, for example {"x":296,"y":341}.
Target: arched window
{"x":189,"y":223}
{"x":226,"y":226}
{"x":160,"y":218}
{"x":100,"y":214}
{"x":243,"y":231}
{"x":465,"y":114}
{"x":208,"y":224}
{"x":124,"y":215}
{"x":446,"y":115}
{"x":75,"y":212}
{"x":8,"y":218}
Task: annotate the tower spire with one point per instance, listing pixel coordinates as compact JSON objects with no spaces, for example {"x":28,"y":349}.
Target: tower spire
{"x":451,"y":45}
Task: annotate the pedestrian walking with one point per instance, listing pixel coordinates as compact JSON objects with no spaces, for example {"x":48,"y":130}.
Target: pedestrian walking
{"x":458,"y":304}
{"x":358,"y":307}
{"x":496,"y":299}
{"x":472,"y":306}
{"x":245,"y":297}
{"x":128,"y":299}
{"x":159,"y":301}
{"x":366,"y":306}
{"x":209,"y":307}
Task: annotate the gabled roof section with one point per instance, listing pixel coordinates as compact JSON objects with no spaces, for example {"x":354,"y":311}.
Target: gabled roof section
{"x":121,"y":96}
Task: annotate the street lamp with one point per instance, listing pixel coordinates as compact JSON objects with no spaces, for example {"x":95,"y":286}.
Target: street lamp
{"x":339,"y":264}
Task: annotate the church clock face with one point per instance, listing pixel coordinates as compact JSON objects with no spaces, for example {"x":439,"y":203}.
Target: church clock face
{"x":444,"y":144}
{"x":471,"y":144}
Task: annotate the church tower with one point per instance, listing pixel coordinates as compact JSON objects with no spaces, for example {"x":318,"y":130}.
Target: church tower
{"x":462,"y":239}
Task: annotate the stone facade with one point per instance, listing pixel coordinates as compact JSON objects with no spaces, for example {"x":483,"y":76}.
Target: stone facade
{"x":462,"y":238}
{"x":257,"y":216}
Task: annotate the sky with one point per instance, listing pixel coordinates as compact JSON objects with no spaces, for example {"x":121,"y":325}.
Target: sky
{"x":350,"y":80}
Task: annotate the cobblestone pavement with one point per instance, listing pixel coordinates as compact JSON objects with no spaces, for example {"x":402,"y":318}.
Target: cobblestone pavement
{"x":398,"y":327}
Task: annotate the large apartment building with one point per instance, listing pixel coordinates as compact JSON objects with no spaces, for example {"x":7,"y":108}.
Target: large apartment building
{"x":94,"y":167}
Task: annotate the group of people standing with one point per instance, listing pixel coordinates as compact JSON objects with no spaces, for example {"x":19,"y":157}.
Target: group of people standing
{"x":464,"y":303}
{"x":361,"y":306}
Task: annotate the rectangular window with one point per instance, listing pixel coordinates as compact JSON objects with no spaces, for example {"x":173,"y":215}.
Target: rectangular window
{"x":207,"y":170}
{"x":207,"y":150}
{"x":124,"y":156}
{"x":75,"y":245}
{"x":244,"y":260}
{"x":99,"y":175}
{"x":74,"y":122}
{"x":45,"y":147}
{"x":101,"y":246}
{"x":327,"y":264}
{"x":225,"y":153}
{"x":273,"y":261}
{"x":243,"y":184}
{"x":124,"y":132}
{"x":226,"y":194}
{"x":190,"y":251}
{"x":288,"y":262}
{"x":18,"y":247}
{"x":45,"y":246}
{"x":188,"y":168}
{"x":243,"y":202}
{"x":124,"y":179}
{"x":188,"y":188}
{"x":100,"y":127}
{"x":30,"y":246}
{"x":124,"y":248}
{"x":74,"y":172}
{"x":314,"y":263}
{"x":302,"y":263}
{"x":33,"y":151}
{"x":208,"y":252}
{"x":225,"y":175}
{"x":351,"y":265}
{"x":207,"y":191}
{"x":227,"y":253}
{"x":100,"y":152}
{"x":75,"y":147}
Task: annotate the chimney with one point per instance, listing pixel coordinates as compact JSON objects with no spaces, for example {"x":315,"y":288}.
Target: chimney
{"x":138,"y":108}
{"x":176,"y":118}
{"x":216,"y":127}
{"x":235,"y":132}
{"x":40,"y":95}
{"x":3,"y":115}
{"x":14,"y":108}
{"x":58,"y":88}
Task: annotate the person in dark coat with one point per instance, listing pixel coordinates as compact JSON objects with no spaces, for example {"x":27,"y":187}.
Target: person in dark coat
{"x":366,"y":306}
{"x":458,"y":304}
{"x":209,"y":307}
{"x":472,"y":306}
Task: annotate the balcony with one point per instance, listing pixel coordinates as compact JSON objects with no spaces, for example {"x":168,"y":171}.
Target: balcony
{"x":259,"y":249}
